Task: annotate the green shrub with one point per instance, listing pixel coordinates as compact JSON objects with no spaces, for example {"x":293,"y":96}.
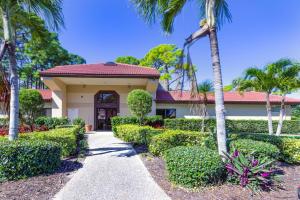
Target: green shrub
{"x":236,"y":126}
{"x":140,"y":103}
{"x":189,"y":124}
{"x":52,"y":122}
{"x":289,"y":146}
{"x":21,"y":159}
{"x":194,"y":166}
{"x":149,"y":120}
{"x":257,"y":149}
{"x":79,"y":122}
{"x":173,"y":138}
{"x":66,"y":138}
{"x":31,"y":105}
{"x":136,"y":134}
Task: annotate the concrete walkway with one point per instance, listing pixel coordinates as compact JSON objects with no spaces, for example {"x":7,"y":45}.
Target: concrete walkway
{"x":113,"y":171}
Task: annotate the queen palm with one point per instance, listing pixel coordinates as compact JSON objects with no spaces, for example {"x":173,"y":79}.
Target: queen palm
{"x":287,"y":81}
{"x":51,"y":10}
{"x":215,"y":13}
{"x":261,"y":80}
{"x":205,"y":88}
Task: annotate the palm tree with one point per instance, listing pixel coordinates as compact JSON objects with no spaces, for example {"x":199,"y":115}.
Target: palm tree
{"x":261,"y":80}
{"x":287,"y":81}
{"x":9,"y":10}
{"x":204,"y":88}
{"x":215,"y":13}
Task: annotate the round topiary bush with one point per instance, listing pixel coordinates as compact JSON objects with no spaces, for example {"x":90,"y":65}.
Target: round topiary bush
{"x":257,"y":149}
{"x":140,"y":103}
{"x":194,"y":166}
{"x":22,"y":158}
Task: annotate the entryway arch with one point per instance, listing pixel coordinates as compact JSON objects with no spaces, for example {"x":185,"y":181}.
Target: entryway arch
{"x":107,"y":105}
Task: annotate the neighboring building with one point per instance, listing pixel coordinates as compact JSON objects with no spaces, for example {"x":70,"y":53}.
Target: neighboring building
{"x":96,"y":92}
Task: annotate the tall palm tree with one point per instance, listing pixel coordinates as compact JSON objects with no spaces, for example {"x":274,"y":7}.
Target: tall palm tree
{"x":261,"y":80}
{"x":205,"y":88}
{"x":287,"y":81}
{"x":215,"y":13}
{"x":51,"y":10}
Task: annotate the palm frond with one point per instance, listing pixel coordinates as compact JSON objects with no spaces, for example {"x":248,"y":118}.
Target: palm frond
{"x":171,"y":10}
{"x":50,"y":10}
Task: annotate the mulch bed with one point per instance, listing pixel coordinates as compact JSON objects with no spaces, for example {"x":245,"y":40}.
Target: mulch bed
{"x":40,"y":187}
{"x":156,"y":167}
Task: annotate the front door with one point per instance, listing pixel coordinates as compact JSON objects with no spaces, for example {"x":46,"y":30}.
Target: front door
{"x":106,"y":107}
{"x":104,"y":116}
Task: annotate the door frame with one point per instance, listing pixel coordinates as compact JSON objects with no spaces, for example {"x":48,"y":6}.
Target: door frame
{"x":105,"y":106}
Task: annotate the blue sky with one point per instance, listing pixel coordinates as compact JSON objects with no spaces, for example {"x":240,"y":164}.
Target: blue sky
{"x":262,"y":31}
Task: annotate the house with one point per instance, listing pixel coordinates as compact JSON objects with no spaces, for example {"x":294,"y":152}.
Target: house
{"x":97,"y":92}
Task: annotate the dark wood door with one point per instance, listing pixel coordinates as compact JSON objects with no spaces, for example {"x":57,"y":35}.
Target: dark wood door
{"x":104,"y":116}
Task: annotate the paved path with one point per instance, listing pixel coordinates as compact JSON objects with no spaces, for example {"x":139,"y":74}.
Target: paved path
{"x":113,"y":171}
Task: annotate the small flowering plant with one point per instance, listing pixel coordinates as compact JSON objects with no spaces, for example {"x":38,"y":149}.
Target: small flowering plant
{"x":257,"y":175}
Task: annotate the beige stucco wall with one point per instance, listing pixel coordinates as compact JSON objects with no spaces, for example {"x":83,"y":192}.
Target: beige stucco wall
{"x":80,"y":100}
{"x":233,"y":111}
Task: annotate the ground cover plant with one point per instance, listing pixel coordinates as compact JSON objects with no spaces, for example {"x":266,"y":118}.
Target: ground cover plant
{"x":247,"y":171}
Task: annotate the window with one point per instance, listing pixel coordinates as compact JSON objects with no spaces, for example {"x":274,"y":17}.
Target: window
{"x":107,"y":97}
{"x":166,"y":113}
{"x":275,"y":109}
{"x":47,"y":112}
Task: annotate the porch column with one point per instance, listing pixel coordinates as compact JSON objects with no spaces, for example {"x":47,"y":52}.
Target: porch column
{"x":151,"y":87}
{"x":59,"y":96}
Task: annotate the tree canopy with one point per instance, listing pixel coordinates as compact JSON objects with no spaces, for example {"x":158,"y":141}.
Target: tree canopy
{"x":128,"y":60}
{"x":164,"y":58}
{"x":37,"y":49}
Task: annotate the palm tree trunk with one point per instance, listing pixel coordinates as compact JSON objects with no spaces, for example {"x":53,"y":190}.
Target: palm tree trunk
{"x":14,"y":96}
{"x":281,"y":115}
{"x":269,"y":113}
{"x":219,"y":96}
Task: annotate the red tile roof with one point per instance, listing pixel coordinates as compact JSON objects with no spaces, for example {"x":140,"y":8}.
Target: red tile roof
{"x":102,"y":70}
{"x":229,"y":97}
{"x":46,"y":94}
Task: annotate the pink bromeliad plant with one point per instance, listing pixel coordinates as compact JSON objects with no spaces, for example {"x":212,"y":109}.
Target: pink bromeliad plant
{"x":257,"y":175}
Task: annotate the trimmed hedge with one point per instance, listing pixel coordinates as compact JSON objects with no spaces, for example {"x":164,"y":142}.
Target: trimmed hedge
{"x":194,"y":166}
{"x":66,"y":138}
{"x":240,"y":126}
{"x":51,"y":122}
{"x":22,"y":158}
{"x":257,"y":149}
{"x":135,"y":133}
{"x":155,"y":121}
{"x":173,"y":138}
{"x":289,"y":146}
